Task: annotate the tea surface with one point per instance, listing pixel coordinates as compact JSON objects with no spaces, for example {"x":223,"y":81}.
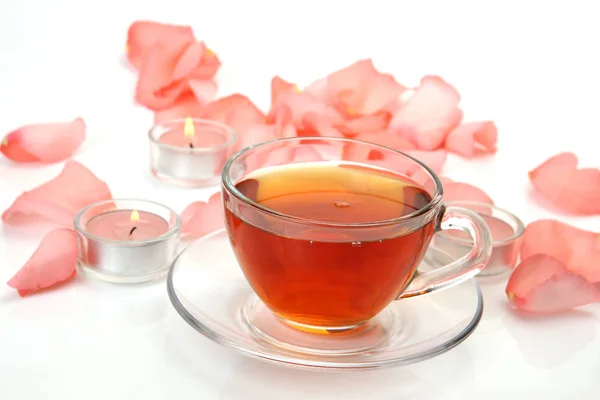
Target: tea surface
{"x":335,"y":193}
{"x":322,"y":278}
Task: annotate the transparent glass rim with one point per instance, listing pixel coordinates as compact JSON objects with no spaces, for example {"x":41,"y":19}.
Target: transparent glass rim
{"x":154,"y":138}
{"x":505,"y":215}
{"x":173,"y":228}
{"x":230,"y":186}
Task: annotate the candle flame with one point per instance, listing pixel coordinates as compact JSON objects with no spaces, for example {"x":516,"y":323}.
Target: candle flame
{"x":135,"y":216}
{"x":188,"y":127}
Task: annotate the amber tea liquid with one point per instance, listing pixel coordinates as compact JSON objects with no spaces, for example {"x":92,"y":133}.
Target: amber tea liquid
{"x":327,"y":277}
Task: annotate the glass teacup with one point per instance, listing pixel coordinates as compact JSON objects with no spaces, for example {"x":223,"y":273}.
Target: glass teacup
{"x":329,"y":231}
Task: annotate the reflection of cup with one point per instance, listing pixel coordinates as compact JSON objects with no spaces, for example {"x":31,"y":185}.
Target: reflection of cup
{"x":506,"y":229}
{"x":328,"y":241}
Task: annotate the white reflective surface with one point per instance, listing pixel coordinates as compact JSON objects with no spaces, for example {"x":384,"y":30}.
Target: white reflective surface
{"x":530,"y":66}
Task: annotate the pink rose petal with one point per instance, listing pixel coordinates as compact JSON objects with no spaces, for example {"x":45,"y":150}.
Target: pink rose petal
{"x":59,"y":199}
{"x":203,"y":89}
{"x":188,"y":60}
{"x":257,"y":134}
{"x":280,"y":127}
{"x":170,"y":70}
{"x":53,"y":262}
{"x":360,"y":89}
{"x":429,"y":115}
{"x":543,"y":284}
{"x":376,"y":122}
{"x":279,"y":156}
{"x":189,"y":104}
{"x":574,"y":190}
{"x":201,"y":218}
{"x":49,"y":142}
{"x":186,"y":105}
{"x":473,"y":138}
{"x":313,"y":125}
{"x":281,"y":88}
{"x":330,"y":151}
{"x":306,"y":153}
{"x":300,"y":104}
{"x":459,"y":191}
{"x":236,"y":111}
{"x":197,"y":62}
{"x":577,"y":249}
{"x":359,"y":152}
{"x":157,"y":88}
{"x":433,"y":159}
{"x":142,"y":35}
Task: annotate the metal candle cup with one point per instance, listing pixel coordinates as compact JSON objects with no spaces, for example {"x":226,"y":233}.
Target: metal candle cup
{"x":506,"y":228}
{"x":190,"y":152}
{"x":126,"y":241}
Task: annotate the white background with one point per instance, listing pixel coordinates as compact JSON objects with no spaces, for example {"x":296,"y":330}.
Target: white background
{"x":531,"y":66}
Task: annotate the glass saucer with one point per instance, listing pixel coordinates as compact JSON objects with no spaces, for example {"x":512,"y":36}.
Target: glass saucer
{"x":208,"y":289}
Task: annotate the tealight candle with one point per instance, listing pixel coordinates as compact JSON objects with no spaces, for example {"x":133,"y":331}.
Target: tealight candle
{"x":128,"y":225}
{"x":190,"y":152}
{"x":126,"y":241}
{"x":505,"y":227}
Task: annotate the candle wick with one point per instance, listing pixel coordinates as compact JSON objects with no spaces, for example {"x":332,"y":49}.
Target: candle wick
{"x":191,"y":145}
{"x":132,"y":229}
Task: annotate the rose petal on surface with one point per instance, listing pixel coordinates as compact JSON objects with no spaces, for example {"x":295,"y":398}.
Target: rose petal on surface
{"x":460,"y":191}
{"x":360,"y":89}
{"x":208,"y":66}
{"x":47,"y":142}
{"x":285,"y":153}
{"x":53,"y":262}
{"x":429,"y":115}
{"x":473,"y":138}
{"x":236,"y":111}
{"x":142,"y":35}
{"x":257,"y":134}
{"x":283,"y":123}
{"x":306,"y":153}
{"x":543,"y":284}
{"x":188,"y":60}
{"x":187,"y":105}
{"x":404,"y":166}
{"x":59,"y":199}
{"x":190,"y":104}
{"x":201,"y":218}
{"x":196,"y":62}
{"x":281,"y":88}
{"x":577,"y":249}
{"x":433,"y":159}
{"x":376,"y":122}
{"x":169,"y":71}
{"x":156,"y":87}
{"x":204,"y":90}
{"x":574,"y":190}
{"x":302,"y":103}
{"x":313,"y":125}
{"x":280,"y":127}
{"x":360,"y":153}
{"x":328,"y":151}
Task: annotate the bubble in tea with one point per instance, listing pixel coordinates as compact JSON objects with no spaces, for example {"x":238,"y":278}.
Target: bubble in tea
{"x":321,"y":271}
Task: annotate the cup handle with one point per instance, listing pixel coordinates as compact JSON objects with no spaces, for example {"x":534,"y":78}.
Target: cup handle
{"x":466,"y":267}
